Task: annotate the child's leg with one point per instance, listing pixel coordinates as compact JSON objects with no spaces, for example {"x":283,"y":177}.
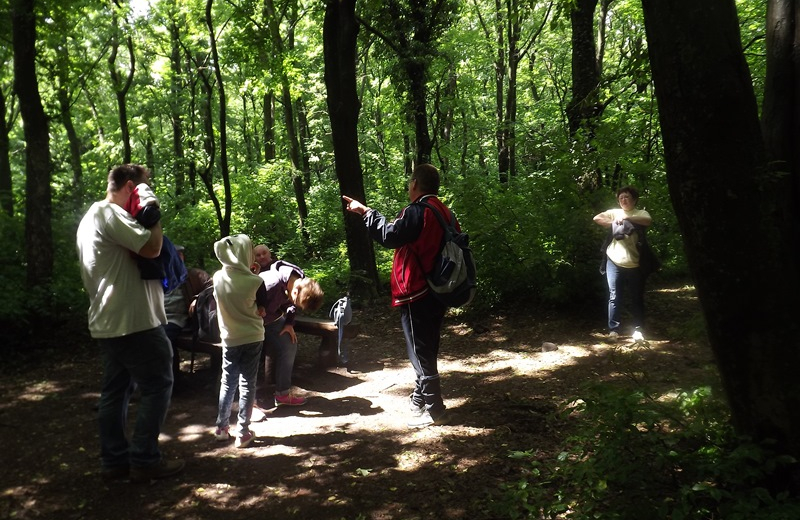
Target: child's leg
{"x":227,"y":387}
{"x":249,"y":360}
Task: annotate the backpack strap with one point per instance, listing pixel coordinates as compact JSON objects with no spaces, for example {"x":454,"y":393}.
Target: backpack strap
{"x":449,"y":229}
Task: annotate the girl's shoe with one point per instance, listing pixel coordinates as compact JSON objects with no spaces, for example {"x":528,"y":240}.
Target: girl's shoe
{"x":289,"y":400}
{"x":244,"y":439}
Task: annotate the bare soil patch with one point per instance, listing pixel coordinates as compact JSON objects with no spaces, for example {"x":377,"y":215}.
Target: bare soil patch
{"x":347,"y":454}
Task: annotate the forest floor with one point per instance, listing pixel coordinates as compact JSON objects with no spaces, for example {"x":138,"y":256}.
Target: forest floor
{"x":347,"y":454}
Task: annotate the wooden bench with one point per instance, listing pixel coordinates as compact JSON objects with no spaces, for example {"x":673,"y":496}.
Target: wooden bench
{"x":187,"y":343}
{"x":324,"y":328}
{"x":329,"y":332}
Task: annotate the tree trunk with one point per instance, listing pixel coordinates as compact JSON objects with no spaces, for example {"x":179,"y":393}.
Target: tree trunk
{"x":6,"y":188}
{"x":177,"y":84}
{"x":209,"y":144}
{"x":499,"y":90}
{"x":718,"y":176}
{"x":339,"y":34}
{"x":121,"y":87}
{"x":780,"y":117}
{"x":288,"y":114}
{"x":225,"y":223}
{"x":417,"y":72}
{"x":583,"y":107}
{"x":38,"y":196}
{"x":269,"y":126}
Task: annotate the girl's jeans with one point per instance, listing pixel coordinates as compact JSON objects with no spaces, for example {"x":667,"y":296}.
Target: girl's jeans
{"x":239,"y":370}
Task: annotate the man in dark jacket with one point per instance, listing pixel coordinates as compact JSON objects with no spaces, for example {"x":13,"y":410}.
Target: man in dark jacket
{"x":416,"y":236}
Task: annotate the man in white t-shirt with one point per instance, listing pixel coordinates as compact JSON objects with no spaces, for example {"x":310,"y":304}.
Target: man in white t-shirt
{"x":126,"y":314}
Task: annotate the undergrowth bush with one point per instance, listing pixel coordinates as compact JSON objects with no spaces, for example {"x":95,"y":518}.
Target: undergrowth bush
{"x":635,"y":455}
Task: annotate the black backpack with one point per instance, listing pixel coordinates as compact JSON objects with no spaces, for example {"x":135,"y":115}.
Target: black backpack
{"x":452,"y":280}
{"x":206,"y":327}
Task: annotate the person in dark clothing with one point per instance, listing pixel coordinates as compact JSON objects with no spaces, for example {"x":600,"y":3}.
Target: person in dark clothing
{"x":416,"y":236}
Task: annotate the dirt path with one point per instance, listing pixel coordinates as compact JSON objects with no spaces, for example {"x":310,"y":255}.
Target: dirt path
{"x":347,"y":454}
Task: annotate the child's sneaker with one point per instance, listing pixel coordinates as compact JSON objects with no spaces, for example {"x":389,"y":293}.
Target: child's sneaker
{"x":222,"y":434}
{"x":244,"y":439}
{"x":289,"y":400}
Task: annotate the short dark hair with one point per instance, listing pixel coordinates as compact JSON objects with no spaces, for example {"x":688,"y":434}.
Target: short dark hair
{"x":633,"y":192}
{"x":427,"y":177}
{"x":120,"y":175}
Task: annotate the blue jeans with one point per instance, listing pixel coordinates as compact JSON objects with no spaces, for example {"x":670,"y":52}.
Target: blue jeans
{"x":281,"y":349}
{"x":143,"y":359}
{"x":239,"y":370}
{"x":623,"y":280}
{"x":422,"y":326}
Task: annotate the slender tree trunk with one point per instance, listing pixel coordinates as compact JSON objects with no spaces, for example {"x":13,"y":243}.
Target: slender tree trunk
{"x":177,"y":85}
{"x":304,"y":133}
{"x":6,"y":188}
{"x":38,"y":196}
{"x":288,"y":113}
{"x":209,"y":144}
{"x":339,"y":35}
{"x":225,"y":224}
{"x":717,"y":173}
{"x":121,"y":87}
{"x":500,"y":65}
{"x":269,"y":126}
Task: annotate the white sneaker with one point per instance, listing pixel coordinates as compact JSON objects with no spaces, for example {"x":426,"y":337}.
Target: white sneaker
{"x":638,"y":336}
{"x":613,"y":336}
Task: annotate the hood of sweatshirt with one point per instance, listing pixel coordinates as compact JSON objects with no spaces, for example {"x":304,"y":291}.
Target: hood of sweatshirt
{"x":235,"y":253}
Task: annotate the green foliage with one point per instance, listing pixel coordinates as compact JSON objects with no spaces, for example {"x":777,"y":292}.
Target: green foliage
{"x":635,"y":454}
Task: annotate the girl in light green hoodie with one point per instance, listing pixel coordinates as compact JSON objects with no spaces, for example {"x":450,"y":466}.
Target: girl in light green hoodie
{"x":241,"y":297}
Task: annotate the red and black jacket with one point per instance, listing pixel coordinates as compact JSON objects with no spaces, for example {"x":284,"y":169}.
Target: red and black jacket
{"x":416,"y":236}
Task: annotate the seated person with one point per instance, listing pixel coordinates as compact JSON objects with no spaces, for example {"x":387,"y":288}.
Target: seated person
{"x":288,"y":290}
{"x":176,"y":305}
{"x":263,"y":256}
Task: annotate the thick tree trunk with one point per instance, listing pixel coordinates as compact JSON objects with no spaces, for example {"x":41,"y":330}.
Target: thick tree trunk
{"x":780,"y":116}
{"x":339,"y":35}
{"x":736,"y":228}
{"x":38,"y":196}
{"x":583,"y":107}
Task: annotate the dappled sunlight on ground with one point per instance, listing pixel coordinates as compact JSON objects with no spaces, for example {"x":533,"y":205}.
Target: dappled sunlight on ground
{"x":348,"y":452}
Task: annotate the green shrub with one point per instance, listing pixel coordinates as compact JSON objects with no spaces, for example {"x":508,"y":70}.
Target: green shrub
{"x":637,"y":455}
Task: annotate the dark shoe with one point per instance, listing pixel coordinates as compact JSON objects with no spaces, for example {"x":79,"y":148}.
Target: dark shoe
{"x":426,"y":419}
{"x":115,"y":473}
{"x":161,"y":469}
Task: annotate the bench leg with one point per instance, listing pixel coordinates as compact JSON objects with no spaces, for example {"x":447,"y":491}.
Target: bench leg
{"x":328,"y":352}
